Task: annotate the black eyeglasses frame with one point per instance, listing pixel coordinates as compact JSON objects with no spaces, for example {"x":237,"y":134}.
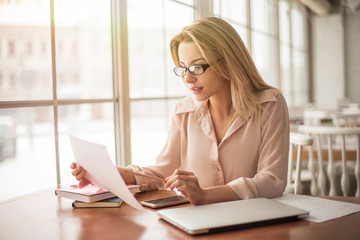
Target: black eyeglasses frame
{"x":203,"y":66}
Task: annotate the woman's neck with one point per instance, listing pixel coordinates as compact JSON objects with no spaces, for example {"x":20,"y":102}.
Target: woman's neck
{"x":221,"y":109}
{"x":221,"y":104}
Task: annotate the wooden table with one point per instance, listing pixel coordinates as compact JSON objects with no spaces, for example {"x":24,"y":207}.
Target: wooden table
{"x":42,"y":215}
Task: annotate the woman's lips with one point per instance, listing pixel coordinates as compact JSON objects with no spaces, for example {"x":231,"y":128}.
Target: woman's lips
{"x":196,"y":90}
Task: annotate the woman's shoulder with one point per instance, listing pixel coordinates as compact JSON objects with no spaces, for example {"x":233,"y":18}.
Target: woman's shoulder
{"x":270,"y":95}
{"x":272,"y":102}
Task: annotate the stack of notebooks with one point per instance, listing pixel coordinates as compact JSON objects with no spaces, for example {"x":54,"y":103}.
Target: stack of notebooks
{"x":92,"y":196}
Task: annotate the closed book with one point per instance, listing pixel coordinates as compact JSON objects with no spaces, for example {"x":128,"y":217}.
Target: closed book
{"x":89,"y":193}
{"x":105,"y":203}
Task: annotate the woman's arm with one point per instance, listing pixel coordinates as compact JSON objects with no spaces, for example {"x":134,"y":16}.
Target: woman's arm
{"x":129,"y":179}
{"x":220,"y":193}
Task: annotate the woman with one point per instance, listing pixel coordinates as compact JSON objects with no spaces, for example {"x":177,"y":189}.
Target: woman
{"x":229,"y":139}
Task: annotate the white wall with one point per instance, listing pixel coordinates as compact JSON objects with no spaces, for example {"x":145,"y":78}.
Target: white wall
{"x":336,"y":58}
{"x":328,"y":60}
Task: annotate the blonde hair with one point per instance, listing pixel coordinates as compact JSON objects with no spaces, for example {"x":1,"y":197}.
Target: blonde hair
{"x":224,"y":50}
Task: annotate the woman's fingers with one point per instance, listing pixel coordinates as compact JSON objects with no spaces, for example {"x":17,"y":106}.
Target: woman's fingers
{"x":78,"y":170}
{"x":73,"y":165}
{"x":177,"y":174}
{"x":83,"y":182}
{"x":180,"y":180}
{"x":187,"y":183}
{"x":79,"y":173}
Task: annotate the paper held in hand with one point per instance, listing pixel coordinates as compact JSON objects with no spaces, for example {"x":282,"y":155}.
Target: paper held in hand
{"x":95,"y":159}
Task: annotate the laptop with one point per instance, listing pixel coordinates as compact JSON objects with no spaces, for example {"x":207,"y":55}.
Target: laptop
{"x":231,"y":215}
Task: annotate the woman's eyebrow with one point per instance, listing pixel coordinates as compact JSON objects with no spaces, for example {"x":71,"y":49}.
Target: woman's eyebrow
{"x":194,"y":61}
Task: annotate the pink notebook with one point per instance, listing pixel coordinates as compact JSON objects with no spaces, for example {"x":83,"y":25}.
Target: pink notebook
{"x":90,"y":193}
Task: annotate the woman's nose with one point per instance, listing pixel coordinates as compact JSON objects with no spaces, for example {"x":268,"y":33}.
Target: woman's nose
{"x":189,"y":78}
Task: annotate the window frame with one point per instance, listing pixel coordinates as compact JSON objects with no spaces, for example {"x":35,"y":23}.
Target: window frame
{"x":55,"y":103}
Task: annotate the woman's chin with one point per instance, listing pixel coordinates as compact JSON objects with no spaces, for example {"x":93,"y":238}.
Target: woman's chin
{"x":200,"y":98}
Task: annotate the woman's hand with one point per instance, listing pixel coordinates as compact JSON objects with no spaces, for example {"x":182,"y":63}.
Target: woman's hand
{"x":188,"y":184}
{"x":79,"y":173}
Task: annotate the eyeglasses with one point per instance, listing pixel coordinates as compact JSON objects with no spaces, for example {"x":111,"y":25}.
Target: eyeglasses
{"x":196,"y":69}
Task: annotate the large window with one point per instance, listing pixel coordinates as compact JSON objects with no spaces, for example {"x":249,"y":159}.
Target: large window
{"x":27,"y":149}
{"x":102,"y":70}
{"x":52,"y":87}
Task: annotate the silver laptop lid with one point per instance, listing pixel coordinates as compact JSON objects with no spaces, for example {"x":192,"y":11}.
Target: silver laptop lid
{"x":230,"y":215}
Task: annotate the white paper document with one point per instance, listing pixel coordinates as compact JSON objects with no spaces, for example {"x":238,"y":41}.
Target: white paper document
{"x":320,"y":209}
{"x":95,"y":159}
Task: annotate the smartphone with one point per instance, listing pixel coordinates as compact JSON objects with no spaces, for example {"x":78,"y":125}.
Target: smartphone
{"x":165,"y":202}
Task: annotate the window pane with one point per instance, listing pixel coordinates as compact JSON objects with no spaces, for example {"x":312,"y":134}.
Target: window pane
{"x":298,"y":27}
{"x":284,"y":21}
{"x":25,"y":55}
{"x":150,"y":64}
{"x":301,"y":84}
{"x":92,"y":122}
{"x":242,"y":31}
{"x":233,"y":10}
{"x":83,"y":49}
{"x":174,"y":12}
{"x":27,"y":151}
{"x":263,"y":15}
{"x":265,"y":56}
{"x":300,"y":56}
{"x":146,"y":48}
{"x":285,"y":65}
{"x":149,"y":124}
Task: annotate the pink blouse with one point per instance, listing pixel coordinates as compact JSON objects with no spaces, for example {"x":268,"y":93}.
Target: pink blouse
{"x":251,"y":158}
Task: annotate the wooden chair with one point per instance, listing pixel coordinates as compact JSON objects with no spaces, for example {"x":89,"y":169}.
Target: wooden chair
{"x":334,"y":134}
{"x":294,"y":185}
